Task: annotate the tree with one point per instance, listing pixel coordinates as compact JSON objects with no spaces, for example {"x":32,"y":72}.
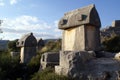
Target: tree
{"x":12,"y":46}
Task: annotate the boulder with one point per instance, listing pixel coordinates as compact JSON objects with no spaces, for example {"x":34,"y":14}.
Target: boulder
{"x":117,"y":56}
{"x":104,"y":54}
{"x":83,"y":65}
{"x":71,"y":62}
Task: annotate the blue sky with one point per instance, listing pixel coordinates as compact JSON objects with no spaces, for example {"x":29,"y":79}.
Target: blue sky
{"x":41,"y":16}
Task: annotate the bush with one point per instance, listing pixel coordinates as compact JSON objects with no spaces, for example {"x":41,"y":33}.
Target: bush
{"x":33,"y":66}
{"x":112,"y":44}
{"x":48,"y":74}
{"x":12,"y":46}
{"x":8,"y":66}
{"x":12,"y":69}
{"x":52,"y":46}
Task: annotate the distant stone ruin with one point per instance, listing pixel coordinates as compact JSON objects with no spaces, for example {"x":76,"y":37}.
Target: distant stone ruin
{"x":116,"y":23}
{"x":13,"y":54}
{"x":113,"y":29}
{"x":28,"y":45}
{"x":81,"y":56}
{"x":40,"y":44}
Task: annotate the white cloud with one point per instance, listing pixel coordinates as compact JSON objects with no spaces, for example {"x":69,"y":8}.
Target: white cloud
{"x":14,"y":28}
{"x":2,"y":3}
{"x":13,"y":2}
{"x":56,"y":26}
{"x":22,"y":23}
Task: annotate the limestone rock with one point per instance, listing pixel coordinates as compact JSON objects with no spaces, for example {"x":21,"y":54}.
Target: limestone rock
{"x":104,"y":69}
{"x":117,"y":56}
{"x":49,"y":59}
{"x":104,"y":54}
{"x":73,"y":61}
{"x":83,"y":65}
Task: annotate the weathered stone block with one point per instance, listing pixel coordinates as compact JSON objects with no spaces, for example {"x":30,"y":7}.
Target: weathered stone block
{"x":73,"y":39}
{"x":81,"y":38}
{"x":104,"y":69}
{"x":70,"y":59}
{"x":49,"y":59}
{"x":27,"y":53}
{"x":84,"y":66}
{"x":61,"y":70}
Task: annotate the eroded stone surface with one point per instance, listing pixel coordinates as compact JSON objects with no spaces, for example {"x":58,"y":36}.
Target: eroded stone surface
{"x":49,"y":59}
{"x":71,"y":59}
{"x":84,"y":65}
{"x":82,"y":16}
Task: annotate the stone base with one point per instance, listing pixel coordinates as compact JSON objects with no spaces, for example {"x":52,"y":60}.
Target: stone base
{"x":61,"y":70}
{"x":81,"y":67}
{"x":70,"y":61}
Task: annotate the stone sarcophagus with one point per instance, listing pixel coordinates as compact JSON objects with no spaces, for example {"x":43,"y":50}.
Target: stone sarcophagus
{"x":28,"y":45}
{"x":81,"y":28}
{"x":81,"y":57}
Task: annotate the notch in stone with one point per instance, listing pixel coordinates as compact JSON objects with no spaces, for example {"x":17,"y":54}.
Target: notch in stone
{"x":79,"y":17}
{"x":63,"y":21}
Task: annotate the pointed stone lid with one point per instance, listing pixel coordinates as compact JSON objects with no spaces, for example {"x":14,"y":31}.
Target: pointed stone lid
{"x":82,"y":16}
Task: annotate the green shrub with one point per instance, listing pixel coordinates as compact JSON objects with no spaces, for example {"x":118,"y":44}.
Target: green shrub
{"x":12,"y":46}
{"x":52,"y":46}
{"x":12,"y":69}
{"x":112,"y":44}
{"x":48,"y":74}
{"x":33,"y":65}
{"x":8,"y":66}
